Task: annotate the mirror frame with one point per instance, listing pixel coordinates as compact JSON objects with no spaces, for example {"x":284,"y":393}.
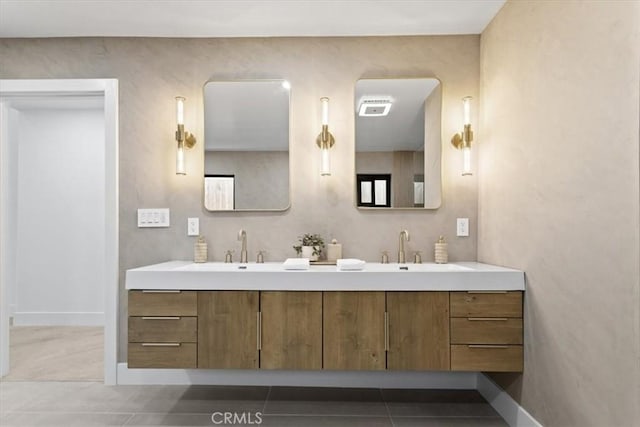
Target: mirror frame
{"x":430,"y":203}
{"x":204,"y":144}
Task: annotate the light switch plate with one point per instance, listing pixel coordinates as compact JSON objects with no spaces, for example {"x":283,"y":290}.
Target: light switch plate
{"x":462,"y":229}
{"x":193,"y":226}
{"x":153,"y":218}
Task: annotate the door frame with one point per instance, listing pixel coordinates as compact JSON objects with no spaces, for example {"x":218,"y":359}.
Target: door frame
{"x":108,"y":88}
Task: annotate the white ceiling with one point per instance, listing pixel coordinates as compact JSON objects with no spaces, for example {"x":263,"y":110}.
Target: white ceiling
{"x":241,"y":18}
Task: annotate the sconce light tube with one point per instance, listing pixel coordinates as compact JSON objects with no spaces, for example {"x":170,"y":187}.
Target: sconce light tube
{"x":466,"y":104}
{"x":185,"y":139}
{"x":325,"y":140}
{"x":466,"y":161}
{"x":180,"y":110}
{"x":180,"y":166}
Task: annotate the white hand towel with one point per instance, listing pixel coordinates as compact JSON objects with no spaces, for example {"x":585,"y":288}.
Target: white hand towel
{"x":350,"y":264}
{"x":296,"y":264}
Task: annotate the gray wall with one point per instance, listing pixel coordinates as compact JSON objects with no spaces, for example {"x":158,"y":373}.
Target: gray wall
{"x":261,"y":177}
{"x":559,"y":197}
{"x":152,"y":72}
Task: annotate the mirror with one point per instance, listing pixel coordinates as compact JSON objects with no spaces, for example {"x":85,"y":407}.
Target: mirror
{"x":246,"y":132}
{"x":398,"y":143}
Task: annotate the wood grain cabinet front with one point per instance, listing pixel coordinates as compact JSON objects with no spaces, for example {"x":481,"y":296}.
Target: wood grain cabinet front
{"x":418,"y":331}
{"x":486,"y":331}
{"x":354,"y":330}
{"x":228,"y":329}
{"x":162,"y":329}
{"x":291,"y":330}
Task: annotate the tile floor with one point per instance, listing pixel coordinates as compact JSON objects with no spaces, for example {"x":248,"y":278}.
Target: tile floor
{"x":93,"y":404}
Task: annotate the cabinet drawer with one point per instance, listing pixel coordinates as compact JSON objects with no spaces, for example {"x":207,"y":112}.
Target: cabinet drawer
{"x":163,"y":329}
{"x":486,"y":304}
{"x":163,"y":303}
{"x":486,"y":330}
{"x":162,"y":355}
{"x":487,"y":358}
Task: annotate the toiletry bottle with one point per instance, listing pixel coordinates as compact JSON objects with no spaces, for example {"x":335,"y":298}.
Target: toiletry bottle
{"x":441,"y":252}
{"x":200,"y":250}
{"x":334,"y":251}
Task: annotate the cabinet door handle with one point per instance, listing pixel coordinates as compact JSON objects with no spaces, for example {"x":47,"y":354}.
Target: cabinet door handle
{"x":158,"y":291}
{"x":486,"y":292}
{"x":487,"y":346}
{"x":161,"y":344}
{"x":160,"y":318}
{"x":491,"y":319}
{"x":259,"y":333}
{"x":386,"y":331}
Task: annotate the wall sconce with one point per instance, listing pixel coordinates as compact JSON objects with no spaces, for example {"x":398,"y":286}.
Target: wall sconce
{"x":462,"y":141}
{"x":185,"y":140}
{"x":325,"y":140}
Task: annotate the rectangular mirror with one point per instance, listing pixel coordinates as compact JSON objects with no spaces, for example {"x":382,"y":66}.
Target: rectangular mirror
{"x":246,"y":132}
{"x":398,"y":143}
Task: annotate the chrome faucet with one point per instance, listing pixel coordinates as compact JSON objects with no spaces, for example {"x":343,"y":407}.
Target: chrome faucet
{"x":242,"y":235}
{"x":405,"y":234}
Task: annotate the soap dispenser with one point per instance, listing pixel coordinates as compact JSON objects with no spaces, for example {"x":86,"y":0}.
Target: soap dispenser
{"x":200,"y":250}
{"x":441,"y":251}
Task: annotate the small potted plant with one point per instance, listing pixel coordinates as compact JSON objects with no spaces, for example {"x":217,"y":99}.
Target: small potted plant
{"x":311,"y":246}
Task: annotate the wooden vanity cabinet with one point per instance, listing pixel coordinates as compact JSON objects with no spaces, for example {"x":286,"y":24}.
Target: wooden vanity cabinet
{"x":486,"y":331}
{"x":291,"y":330}
{"x":228,"y":329}
{"x":162,"y":329}
{"x":418,"y":331}
{"x":354,"y":330}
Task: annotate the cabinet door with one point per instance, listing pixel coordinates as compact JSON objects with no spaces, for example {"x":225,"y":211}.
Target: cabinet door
{"x":418,"y":328}
{"x":291,"y":330}
{"x":228,"y":329}
{"x":353,"y":330}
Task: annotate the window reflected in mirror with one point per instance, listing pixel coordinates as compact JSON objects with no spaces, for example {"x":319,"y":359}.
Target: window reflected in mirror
{"x":398,"y":143}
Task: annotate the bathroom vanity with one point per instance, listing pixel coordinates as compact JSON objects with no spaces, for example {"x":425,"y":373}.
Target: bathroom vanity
{"x":427,"y":317}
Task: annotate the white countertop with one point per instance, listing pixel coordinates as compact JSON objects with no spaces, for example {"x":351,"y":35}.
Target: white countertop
{"x":459,"y":276}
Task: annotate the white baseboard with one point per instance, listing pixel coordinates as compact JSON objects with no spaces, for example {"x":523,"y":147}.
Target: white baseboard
{"x":397,"y":379}
{"x":514,"y":414}
{"x":26,"y":318}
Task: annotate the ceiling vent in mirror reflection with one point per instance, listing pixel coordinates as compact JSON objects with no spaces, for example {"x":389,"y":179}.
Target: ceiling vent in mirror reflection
{"x":374,"y":106}
{"x":398,"y":143}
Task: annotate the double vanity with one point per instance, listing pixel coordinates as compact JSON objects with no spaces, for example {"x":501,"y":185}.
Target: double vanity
{"x":428,"y":317}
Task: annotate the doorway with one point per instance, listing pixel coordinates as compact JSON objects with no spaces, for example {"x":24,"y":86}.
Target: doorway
{"x":58,"y":212}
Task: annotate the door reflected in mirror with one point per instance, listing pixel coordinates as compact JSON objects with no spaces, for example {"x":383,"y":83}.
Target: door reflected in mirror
{"x":398,"y":143}
{"x":246,"y":145}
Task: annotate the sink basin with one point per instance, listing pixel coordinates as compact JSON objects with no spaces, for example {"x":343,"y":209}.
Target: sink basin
{"x":228,"y":267}
{"x":423,"y":268}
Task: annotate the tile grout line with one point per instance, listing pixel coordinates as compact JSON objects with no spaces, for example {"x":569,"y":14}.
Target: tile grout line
{"x":266,"y":399}
{"x":388,"y":410}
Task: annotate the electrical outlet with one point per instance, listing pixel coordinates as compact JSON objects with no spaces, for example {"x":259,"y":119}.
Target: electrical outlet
{"x":193,"y":226}
{"x":462,"y":229}
{"x":153,"y":218}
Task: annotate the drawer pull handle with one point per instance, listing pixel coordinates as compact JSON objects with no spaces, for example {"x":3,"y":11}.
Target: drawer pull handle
{"x":487,"y":346}
{"x":259,"y":338}
{"x":486,"y":292}
{"x":161,"y":344}
{"x":160,"y":318}
{"x":149,"y":291}
{"x":491,"y":319}
{"x":386,"y":331}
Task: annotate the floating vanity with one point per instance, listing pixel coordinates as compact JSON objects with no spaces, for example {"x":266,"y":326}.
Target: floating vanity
{"x":431,"y":317}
